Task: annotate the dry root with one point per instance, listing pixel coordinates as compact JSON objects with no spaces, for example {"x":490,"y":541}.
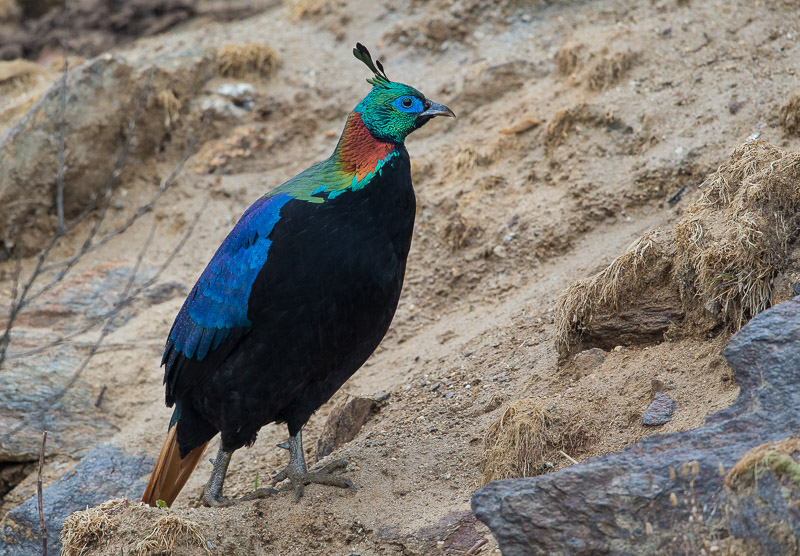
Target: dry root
{"x":733,"y":240}
{"x":568,"y":59}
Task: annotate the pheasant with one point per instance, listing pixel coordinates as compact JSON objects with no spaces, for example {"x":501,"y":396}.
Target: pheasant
{"x":295,"y":299}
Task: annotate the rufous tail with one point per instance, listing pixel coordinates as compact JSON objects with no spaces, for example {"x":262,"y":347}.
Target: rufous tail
{"x":171,"y":472}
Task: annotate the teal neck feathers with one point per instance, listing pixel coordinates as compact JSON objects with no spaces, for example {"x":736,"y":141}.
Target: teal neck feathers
{"x":358,"y":157}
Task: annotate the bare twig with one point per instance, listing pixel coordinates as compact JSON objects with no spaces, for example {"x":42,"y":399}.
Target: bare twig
{"x":477,"y":546}
{"x":40,"y":501}
{"x":102,"y":393}
{"x":62,"y":124}
{"x":566,"y":455}
{"x":25,"y":298}
{"x":126,"y":298}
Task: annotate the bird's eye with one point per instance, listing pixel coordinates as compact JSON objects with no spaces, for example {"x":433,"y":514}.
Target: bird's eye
{"x":409,"y":104}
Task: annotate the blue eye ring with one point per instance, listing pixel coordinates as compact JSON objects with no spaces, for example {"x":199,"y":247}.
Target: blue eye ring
{"x":409,"y":104}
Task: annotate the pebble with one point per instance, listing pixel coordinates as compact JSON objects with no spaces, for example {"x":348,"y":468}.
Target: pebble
{"x":449,"y":394}
{"x":660,"y":410}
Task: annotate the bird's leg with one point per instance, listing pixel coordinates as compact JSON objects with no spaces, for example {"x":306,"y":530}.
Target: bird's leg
{"x":212,"y":493}
{"x":299,"y":475}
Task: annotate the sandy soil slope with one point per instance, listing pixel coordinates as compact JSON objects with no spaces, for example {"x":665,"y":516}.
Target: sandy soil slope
{"x":577,"y":121}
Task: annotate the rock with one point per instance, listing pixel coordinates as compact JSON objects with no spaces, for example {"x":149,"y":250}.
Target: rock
{"x":37,"y":391}
{"x":343,"y":424}
{"x":640,"y":500}
{"x":455,"y":533}
{"x":659,"y":411}
{"x":89,"y":296}
{"x":112,"y":88}
{"x":31,"y":400}
{"x":95,"y":25}
{"x":762,"y":492}
{"x":105,"y":472}
{"x":241,"y":93}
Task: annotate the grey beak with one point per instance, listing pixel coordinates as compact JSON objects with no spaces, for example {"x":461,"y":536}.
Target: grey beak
{"x":436,"y":109}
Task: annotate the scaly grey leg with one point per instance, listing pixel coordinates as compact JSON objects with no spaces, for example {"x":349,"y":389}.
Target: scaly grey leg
{"x":212,"y":493}
{"x":298,"y":474}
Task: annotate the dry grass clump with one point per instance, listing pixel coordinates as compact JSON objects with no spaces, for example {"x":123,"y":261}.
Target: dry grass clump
{"x":568,"y":58}
{"x":526,"y":439}
{"x":608,"y":70}
{"x":718,"y":268}
{"x":782,"y":458}
{"x":733,"y":240}
{"x":238,"y":60}
{"x":790,"y":116}
{"x":171,"y":105}
{"x":83,"y":529}
{"x":170,"y":530}
{"x":301,"y":9}
{"x":631,"y":272}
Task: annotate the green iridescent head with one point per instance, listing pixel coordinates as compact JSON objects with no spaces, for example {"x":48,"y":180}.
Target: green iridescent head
{"x":393,"y":110}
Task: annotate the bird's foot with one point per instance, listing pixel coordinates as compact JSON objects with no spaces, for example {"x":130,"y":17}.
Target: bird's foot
{"x":299,"y":477}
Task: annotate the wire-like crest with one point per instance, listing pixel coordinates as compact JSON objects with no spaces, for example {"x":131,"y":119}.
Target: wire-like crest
{"x":361,"y":53}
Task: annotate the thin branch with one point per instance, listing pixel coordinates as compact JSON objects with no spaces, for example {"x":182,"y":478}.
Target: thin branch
{"x":106,"y":192}
{"x":62,"y":124}
{"x":40,"y":500}
{"x":109,"y":317}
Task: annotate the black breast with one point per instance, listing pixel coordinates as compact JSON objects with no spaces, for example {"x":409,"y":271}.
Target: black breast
{"x":319,"y":307}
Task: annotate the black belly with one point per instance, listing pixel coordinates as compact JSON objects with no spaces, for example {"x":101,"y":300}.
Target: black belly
{"x":319,"y":308}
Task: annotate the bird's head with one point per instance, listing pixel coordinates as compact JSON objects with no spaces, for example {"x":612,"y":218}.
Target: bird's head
{"x":393,"y":110}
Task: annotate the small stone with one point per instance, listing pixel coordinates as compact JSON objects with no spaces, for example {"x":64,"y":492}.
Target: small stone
{"x":449,"y":394}
{"x":241,"y":93}
{"x":381,"y":397}
{"x":588,"y":359}
{"x":734,"y":107}
{"x":660,"y":410}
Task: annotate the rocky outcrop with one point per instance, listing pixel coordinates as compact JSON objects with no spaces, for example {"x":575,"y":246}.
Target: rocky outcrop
{"x":667,"y":493}
{"x":106,"y":472}
{"x":115,"y":90}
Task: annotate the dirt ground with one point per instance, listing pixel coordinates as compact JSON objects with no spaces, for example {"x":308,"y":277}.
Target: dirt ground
{"x":577,"y":121}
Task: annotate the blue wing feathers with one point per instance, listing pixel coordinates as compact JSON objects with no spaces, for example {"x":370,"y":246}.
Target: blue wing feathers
{"x":216,"y":308}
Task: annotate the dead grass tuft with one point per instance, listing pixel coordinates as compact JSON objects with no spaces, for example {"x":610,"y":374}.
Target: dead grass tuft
{"x":604,"y":292}
{"x":82,"y":530}
{"x":170,"y":530}
{"x":171,"y":104}
{"x":716,"y":270}
{"x":733,"y":241}
{"x":790,"y":116}
{"x":526,"y":439}
{"x":238,"y":60}
{"x":782,"y":458}
{"x":608,"y":70}
{"x":302,"y":9}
